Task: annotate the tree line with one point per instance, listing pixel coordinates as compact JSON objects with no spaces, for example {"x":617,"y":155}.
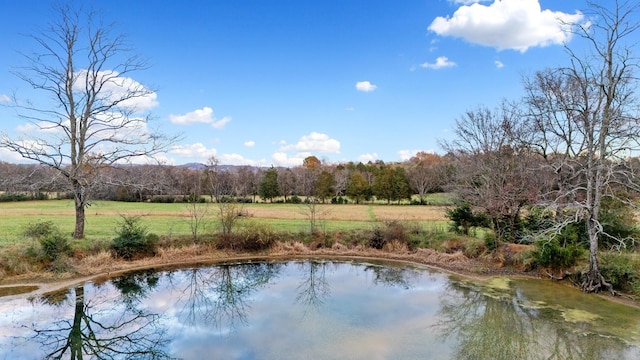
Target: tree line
{"x":327,"y":183}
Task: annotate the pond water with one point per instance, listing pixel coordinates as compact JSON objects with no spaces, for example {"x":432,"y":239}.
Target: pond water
{"x":316,"y":309}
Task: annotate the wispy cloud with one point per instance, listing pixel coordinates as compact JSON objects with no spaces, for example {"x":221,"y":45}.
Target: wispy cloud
{"x":441,"y":62}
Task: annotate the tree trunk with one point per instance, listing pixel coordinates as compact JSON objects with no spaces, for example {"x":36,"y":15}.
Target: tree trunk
{"x":592,"y":279}
{"x":80,"y":203}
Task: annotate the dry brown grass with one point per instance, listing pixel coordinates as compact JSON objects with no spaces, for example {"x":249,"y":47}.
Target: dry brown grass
{"x":351,"y":212}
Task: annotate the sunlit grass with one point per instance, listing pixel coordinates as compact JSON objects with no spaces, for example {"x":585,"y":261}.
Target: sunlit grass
{"x":102,"y":217}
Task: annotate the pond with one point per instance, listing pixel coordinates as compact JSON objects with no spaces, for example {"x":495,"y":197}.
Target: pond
{"x":316,"y":309}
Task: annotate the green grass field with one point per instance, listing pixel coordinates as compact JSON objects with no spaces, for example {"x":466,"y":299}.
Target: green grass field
{"x":102,"y":217}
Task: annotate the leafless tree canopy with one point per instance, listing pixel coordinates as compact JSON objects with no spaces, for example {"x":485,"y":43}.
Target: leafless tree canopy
{"x":92,"y":114}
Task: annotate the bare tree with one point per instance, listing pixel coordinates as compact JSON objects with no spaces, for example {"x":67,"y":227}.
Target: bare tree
{"x":286,"y":182}
{"x":586,"y":120}
{"x":313,"y":211}
{"x":493,"y":169}
{"x":97,"y":114}
{"x":426,"y":172}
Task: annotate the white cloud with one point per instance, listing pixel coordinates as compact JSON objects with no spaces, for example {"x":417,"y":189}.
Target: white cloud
{"x":195,"y":152}
{"x":4,"y":98}
{"x":116,"y":88}
{"x":219,"y":124}
{"x":204,"y":115}
{"x":281,"y":158}
{"x":441,"y":62}
{"x":200,"y":116}
{"x":507,"y":24}
{"x":365,"y":158}
{"x":9,"y":156}
{"x":315,"y":142}
{"x":499,"y":64}
{"x":236,"y":159}
{"x":365,"y":86}
{"x":407,"y":154}
{"x":249,"y":143}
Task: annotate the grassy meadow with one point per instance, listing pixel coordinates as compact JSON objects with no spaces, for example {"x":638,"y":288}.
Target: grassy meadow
{"x":167,"y":220}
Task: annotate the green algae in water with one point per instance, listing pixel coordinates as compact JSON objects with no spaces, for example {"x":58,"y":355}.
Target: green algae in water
{"x":499,"y":283}
{"x":576,"y":315}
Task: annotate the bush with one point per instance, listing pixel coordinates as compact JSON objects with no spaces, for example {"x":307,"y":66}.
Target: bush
{"x":339,"y":200}
{"x":395,"y":231}
{"x":377,"y":240}
{"x":254,"y":237}
{"x":464,"y":219}
{"x":490,"y":241}
{"x":54,"y":245}
{"x":53,"y":242}
{"x":295,"y":199}
{"x":621,"y":270}
{"x":550,"y":254}
{"x":132,"y":240}
{"x":39,"y":229}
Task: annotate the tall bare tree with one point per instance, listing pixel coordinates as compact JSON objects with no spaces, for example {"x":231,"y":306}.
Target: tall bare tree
{"x":96,"y":114}
{"x":493,"y":169}
{"x":587,"y":122}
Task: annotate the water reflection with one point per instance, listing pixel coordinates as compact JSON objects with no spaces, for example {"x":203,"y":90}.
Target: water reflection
{"x":103,"y":332}
{"x":314,"y":309}
{"x":503,"y":323}
{"x":314,"y":286}
{"x":219,"y":295}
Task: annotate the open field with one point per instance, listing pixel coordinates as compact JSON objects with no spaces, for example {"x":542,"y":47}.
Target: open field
{"x":173,"y":219}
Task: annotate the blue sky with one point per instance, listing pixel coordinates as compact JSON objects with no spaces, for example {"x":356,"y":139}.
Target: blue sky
{"x":269,"y":82}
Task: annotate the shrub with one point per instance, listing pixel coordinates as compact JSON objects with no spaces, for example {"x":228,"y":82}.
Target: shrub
{"x":54,"y":245}
{"x":550,"y":254}
{"x":377,"y":240}
{"x":339,"y":200}
{"x":39,"y":229}
{"x":490,"y":241}
{"x":395,"y":231}
{"x":295,"y":199}
{"x":132,"y":240}
{"x":464,"y":219}
{"x":621,"y":270}
{"x":53,"y":242}
{"x":253,"y":237}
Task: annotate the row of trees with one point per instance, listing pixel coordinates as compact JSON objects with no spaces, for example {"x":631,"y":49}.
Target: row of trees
{"x":359,"y":182}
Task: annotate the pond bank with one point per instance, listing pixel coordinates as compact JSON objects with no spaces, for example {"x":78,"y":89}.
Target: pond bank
{"x":103,"y":266}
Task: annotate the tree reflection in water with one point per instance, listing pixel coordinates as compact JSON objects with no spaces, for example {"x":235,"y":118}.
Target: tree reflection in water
{"x":220,"y":295}
{"x":104,"y":332}
{"x":314,"y":287}
{"x":388,"y":312}
{"x":393,"y":276}
{"x":494,"y":323}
